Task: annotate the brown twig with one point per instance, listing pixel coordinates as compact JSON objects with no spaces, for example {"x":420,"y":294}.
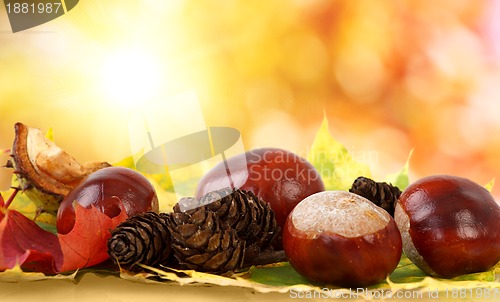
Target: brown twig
{"x":269,"y":256}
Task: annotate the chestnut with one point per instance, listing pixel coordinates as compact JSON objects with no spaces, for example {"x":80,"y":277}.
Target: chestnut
{"x":279,"y":177}
{"x":450,"y":226}
{"x":104,"y":189}
{"x":342,"y":239}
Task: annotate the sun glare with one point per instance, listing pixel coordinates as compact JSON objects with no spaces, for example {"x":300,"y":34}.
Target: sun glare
{"x":130,"y":78}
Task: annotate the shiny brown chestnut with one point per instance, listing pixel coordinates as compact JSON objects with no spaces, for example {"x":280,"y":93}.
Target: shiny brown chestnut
{"x":105,"y":189}
{"x":450,"y":226}
{"x":279,"y":177}
{"x":342,"y":239}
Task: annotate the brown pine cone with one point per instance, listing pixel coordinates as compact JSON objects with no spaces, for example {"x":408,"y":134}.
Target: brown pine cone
{"x":201,"y":241}
{"x":141,"y":239}
{"x":382,"y":194}
{"x":251,"y":217}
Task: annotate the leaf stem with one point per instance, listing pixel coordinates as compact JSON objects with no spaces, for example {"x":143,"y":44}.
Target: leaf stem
{"x":11,"y":198}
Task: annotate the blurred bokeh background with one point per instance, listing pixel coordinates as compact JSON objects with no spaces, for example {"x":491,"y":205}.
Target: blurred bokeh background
{"x":390,"y":76}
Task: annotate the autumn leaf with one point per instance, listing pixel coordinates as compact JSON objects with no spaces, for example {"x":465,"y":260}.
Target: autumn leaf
{"x":401,"y":178}
{"x":279,"y":274}
{"x":281,"y":277}
{"x":489,"y":185}
{"x":16,"y":275}
{"x":338,"y":169}
{"x":86,"y":244}
{"x":24,"y":243}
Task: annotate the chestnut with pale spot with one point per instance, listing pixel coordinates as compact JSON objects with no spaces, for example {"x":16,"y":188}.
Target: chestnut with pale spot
{"x":342,"y":239}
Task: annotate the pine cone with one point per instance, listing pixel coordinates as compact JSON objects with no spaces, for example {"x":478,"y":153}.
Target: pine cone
{"x":142,"y":238}
{"x":201,"y":241}
{"x":382,"y":194}
{"x":251,"y":217}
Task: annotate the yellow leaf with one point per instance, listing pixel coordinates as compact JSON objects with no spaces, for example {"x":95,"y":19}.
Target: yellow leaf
{"x":337,"y":167}
{"x":489,"y":186}
{"x":16,"y":274}
{"x":400,"y":179}
{"x":50,"y":134}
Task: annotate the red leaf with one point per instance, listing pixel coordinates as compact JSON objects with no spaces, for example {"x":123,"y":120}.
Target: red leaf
{"x":24,"y":243}
{"x":86,"y":244}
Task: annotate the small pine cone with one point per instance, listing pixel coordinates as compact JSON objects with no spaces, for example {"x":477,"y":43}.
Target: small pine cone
{"x":251,"y":217}
{"x":382,"y":194}
{"x":142,"y":238}
{"x":201,"y":241}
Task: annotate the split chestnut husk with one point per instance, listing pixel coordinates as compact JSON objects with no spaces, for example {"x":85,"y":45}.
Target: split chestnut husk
{"x":45,"y":172}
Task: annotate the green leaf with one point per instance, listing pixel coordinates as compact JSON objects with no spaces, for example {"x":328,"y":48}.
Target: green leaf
{"x":337,"y":167}
{"x":407,"y":272}
{"x":400,"y":179}
{"x":280,"y":274}
{"x":47,"y":227}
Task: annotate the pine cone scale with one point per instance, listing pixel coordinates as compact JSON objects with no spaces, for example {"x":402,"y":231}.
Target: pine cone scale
{"x":214,"y":242}
{"x":210,"y":219}
{"x":177,"y":237}
{"x":179,"y":217}
{"x":226,"y":240}
{"x":199,"y":259}
{"x":236,"y":258}
{"x":186,"y":252}
{"x":187,"y":229}
{"x":199,"y":239}
{"x":198,"y":217}
{"x":146,"y":232}
{"x":217,"y":260}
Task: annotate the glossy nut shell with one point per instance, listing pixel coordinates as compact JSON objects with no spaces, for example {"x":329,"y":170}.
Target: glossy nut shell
{"x":450,"y":226}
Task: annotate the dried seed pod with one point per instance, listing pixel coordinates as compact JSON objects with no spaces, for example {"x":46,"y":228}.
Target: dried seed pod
{"x":45,"y":172}
{"x":201,"y":241}
{"x":382,"y":194}
{"x":142,"y":238}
